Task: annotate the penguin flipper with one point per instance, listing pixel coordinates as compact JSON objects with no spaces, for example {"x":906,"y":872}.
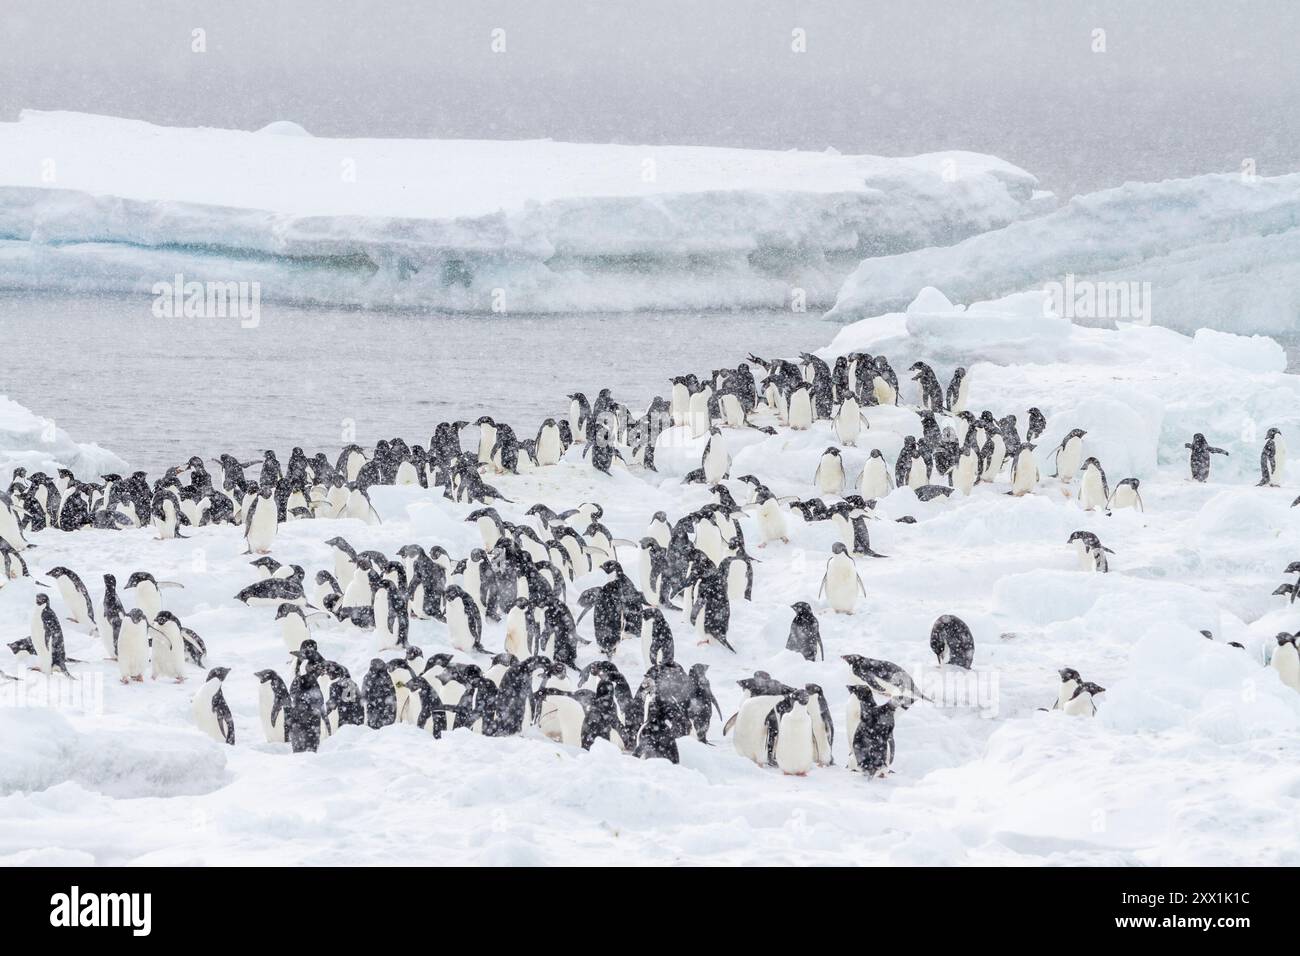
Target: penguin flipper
{"x":726,"y":728}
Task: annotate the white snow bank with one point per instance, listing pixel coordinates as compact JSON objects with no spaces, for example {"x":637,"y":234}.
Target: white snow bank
{"x":444,"y":223}
{"x":1140,"y":392}
{"x":1218,"y":251}
{"x":38,"y":444}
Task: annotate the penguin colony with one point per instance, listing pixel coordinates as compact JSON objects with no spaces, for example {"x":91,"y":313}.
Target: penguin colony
{"x":549,"y":676}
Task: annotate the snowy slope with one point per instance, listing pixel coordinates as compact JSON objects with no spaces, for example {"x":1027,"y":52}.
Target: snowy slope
{"x":38,"y":444}
{"x":1219,"y":252}
{"x":1192,"y":759}
{"x":89,"y":202}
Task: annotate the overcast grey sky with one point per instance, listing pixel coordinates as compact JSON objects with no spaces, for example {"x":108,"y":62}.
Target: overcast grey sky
{"x":1182,"y":87}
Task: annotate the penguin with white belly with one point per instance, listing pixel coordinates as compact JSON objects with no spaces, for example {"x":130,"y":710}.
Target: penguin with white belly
{"x":771,"y":520}
{"x":168,"y":647}
{"x":211,"y":712}
{"x":272,"y":704}
{"x":77,"y":598}
{"x":716,"y":460}
{"x":875,"y":480}
{"x":849,"y":421}
{"x":1024,"y":471}
{"x":1093,"y":490}
{"x":133,"y":646}
{"x":841,"y":582}
{"x":800,"y":414}
{"x":1068,"y":454}
{"x":261,"y":521}
{"x":1286,"y":660}
{"x":1083,"y":702}
{"x":829,"y":477}
{"x":1125,"y":495}
{"x":794,"y":751}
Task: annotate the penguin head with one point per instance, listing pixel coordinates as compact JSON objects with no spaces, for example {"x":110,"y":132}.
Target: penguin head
{"x":1273,"y":433}
{"x":288,"y":610}
{"x":42,"y":600}
{"x":1069,"y":674}
{"x":611,"y":566}
{"x":801,"y":607}
{"x":377,"y":666}
{"x":1284,"y":638}
{"x":110,"y":582}
{"x":217,"y":673}
{"x":266,"y":676}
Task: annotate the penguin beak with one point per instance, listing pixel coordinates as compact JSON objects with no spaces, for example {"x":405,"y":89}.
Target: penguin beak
{"x":41,"y":584}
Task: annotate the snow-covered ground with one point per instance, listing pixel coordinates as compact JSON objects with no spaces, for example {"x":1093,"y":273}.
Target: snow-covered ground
{"x":1218,"y":251}
{"x":91,"y":203}
{"x":1192,"y":758}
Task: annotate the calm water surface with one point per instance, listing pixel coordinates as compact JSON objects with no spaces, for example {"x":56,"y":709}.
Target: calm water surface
{"x":156,"y":391}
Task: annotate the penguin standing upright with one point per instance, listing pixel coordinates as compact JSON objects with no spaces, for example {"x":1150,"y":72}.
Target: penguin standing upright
{"x":875,"y":480}
{"x":829,"y":477}
{"x":133,"y":646}
{"x":1272,"y":460}
{"x":114,"y":612}
{"x":1200,"y":458}
{"x":841,"y":582}
{"x":261,"y":521}
{"x":805,"y":633}
{"x":794,"y":751}
{"x":1024,"y":471}
{"x":211,"y":712}
{"x":849,"y":421}
{"x":958,"y":390}
{"x":272,"y":704}
{"x":872,"y":741}
{"x":47,"y":638}
{"x":168,"y":647}
{"x":701,"y":703}
{"x":716,"y":460}
{"x":1286,"y":660}
{"x":1068,"y":454}
{"x":1093,"y":490}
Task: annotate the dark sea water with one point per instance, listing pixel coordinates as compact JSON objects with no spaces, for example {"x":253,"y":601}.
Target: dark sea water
{"x":156,"y":391}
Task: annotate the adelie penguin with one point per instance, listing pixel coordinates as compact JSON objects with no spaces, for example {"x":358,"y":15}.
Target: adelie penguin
{"x":1125,"y":495}
{"x":81,"y":610}
{"x":272,"y":704}
{"x":875,"y":480}
{"x":841,"y":583}
{"x":211,"y":712}
{"x":931,"y":393}
{"x":951,"y":642}
{"x":1094,"y":493}
{"x":1286,"y":660}
{"x":1201,"y":450}
{"x":1068,"y":454}
{"x":805,"y":633}
{"x":1272,"y":460}
{"x":829,"y":477}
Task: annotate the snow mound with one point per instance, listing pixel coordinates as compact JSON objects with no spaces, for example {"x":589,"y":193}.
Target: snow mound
{"x":1219,"y":251}
{"x":38,"y":444}
{"x":283,"y":128}
{"x":468,"y":225}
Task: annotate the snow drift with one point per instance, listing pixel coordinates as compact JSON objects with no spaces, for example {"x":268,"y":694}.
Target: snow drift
{"x":1218,"y":251}
{"x":92,"y":203}
{"x":38,"y":444}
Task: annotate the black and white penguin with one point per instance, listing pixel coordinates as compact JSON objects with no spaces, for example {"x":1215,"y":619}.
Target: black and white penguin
{"x":276,"y":590}
{"x":701,"y":702}
{"x":1024,"y":471}
{"x":1286,"y":660}
{"x":1092,"y":553}
{"x":1068,"y":454}
{"x":871,"y":742}
{"x":841,"y":582}
{"x":952,"y":642}
{"x":1083,"y":703}
{"x":132,"y":646}
{"x":1200,"y":458}
{"x":1125,"y":495}
{"x":1093,"y":490}
{"x":849,"y":421}
{"x":1272,"y":460}
{"x":805,"y":633}
{"x":272,"y":704}
{"x":829,"y":476}
{"x":464,"y":621}
{"x":379,"y":696}
{"x":47,"y":638}
{"x":875,"y":480}
{"x":81,"y":610}
{"x":261,"y":520}
{"x":715,"y":462}
{"x":931,"y":393}
{"x":1037,"y":424}
{"x":1070,"y":681}
{"x":958,"y":390}
{"x":211,"y":712}
{"x":345,"y":706}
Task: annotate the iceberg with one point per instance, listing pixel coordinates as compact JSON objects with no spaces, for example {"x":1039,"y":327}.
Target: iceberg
{"x":1216,"y":251}
{"x":90,"y":203}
